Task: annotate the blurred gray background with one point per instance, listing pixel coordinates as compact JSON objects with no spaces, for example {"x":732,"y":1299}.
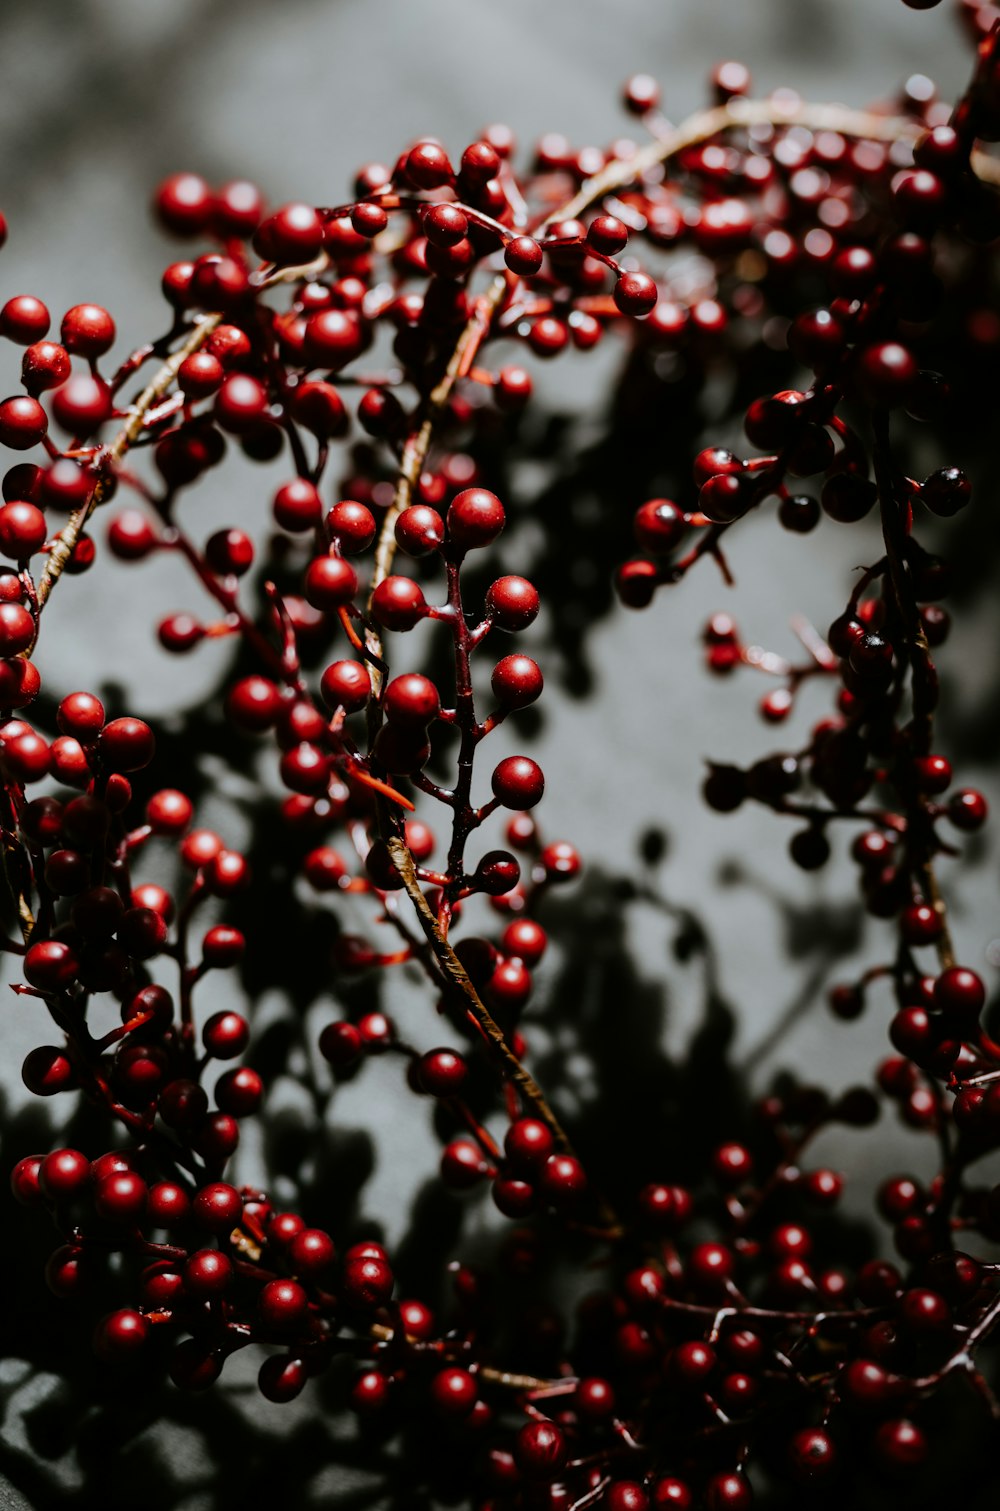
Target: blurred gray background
{"x":99,"y":99}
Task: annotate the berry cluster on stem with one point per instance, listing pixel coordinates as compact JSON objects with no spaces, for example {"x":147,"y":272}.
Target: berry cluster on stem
{"x":732,"y":1341}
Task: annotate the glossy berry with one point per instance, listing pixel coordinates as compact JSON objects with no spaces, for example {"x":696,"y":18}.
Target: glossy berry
{"x":225,"y":1035}
{"x":442,"y":1072}
{"x":64,"y":1174}
{"x":411,"y":701}
{"x":900,"y":1445}
{"x":398,"y":603}
{"x":297,"y":505}
{"x":728,"y":1492}
{"x":127,"y":744}
{"x":347,"y":685}
{"x":475,"y":519}
{"x":217,"y":1207}
{"x":961,"y":995}
{"x":367,"y":1281}
{"x":518,"y":783}
{"x":512,"y":602}
{"x":121,"y":1198}
{"x":427,"y":166}
{"x":121,"y":1336}
{"x":207,"y":1274}
{"x":23,"y":423}
{"x":886,"y":373}
{"x":453,"y":1392}
{"x":496,"y":874}
{"x":635,"y":294}
{"x":658,"y":525}
{"x":24,"y":319}
{"x":540,"y":1450}
{"x":87,"y":330}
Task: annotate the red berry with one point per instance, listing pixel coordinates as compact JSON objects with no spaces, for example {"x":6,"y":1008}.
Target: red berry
{"x":518,"y":783}
{"x":347,"y":685}
{"x":225,"y":1035}
{"x":419,"y":530}
{"x":81,"y":404}
{"x":292,"y":235}
{"x":121,"y":1197}
{"x":24,"y":319}
{"x":120,"y":1336}
{"x":353,"y":525}
{"x":207,"y":1274}
{"x":540,"y":1450}
{"x":282,"y":1306}
{"x":442,"y":1072}
{"x":635,"y":294}
{"x":367,"y":1281}
{"x":127,"y":744}
{"x":217,"y":1207}
{"x":297,"y":505}
{"x":475,"y":518}
{"x":184,"y":203}
{"x":886,"y":373}
{"x":398,"y":603}
{"x":427,"y":166}
{"x":453,"y":1392}
{"x":512,"y":602}
{"x":412,"y":701}
{"x":64,"y":1174}
{"x":87,"y":330}
{"x":331,"y":582}
{"x":23,"y":422}
{"x":523,"y":256}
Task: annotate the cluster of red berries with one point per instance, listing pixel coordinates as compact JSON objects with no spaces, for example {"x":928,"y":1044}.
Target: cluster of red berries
{"x":738,"y":1338}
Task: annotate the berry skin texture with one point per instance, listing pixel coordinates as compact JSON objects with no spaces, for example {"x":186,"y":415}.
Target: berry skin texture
{"x":658,"y":525}
{"x":207,"y":1274}
{"x":398,"y":603}
{"x":64,"y":1174}
{"x":297,"y":505}
{"x":635,"y":294}
{"x":24,"y":319}
{"x":121,"y":1336}
{"x":23,"y":423}
{"x":540,"y":1450}
{"x":626,"y":1495}
{"x":961,"y":995}
{"x":282,"y":1306}
{"x":412,"y":701}
{"x":812,"y":1455}
{"x":331,"y":582}
{"x":121,"y":1198}
{"x":281,"y":1379}
{"x":419,"y":530}
{"x":87,"y":330}
{"x":217,"y":1207}
{"x":512,"y":602}
{"x":127,"y":744}
{"x":453,"y":1392}
{"x":442,"y":1072}
{"x":728,"y":1492}
{"x":368,"y":1282}
{"x":475,"y":519}
{"x":518,"y":783}
{"x":292,"y":235}
{"x":347,"y":685}
{"x":886,"y":373}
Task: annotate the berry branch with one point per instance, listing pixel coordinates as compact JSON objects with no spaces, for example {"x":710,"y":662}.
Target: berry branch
{"x":742,"y":1332}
